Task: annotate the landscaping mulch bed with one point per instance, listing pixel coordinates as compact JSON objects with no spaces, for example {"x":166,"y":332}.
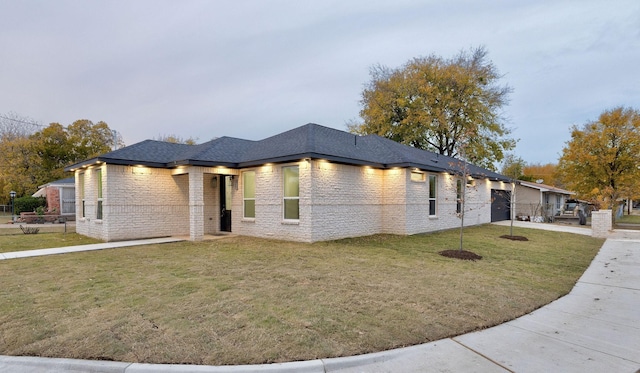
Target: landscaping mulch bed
{"x":514,"y":238}
{"x":460,"y":254}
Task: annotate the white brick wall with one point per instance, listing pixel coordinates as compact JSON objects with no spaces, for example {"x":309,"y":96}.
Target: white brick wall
{"x":138,"y":202}
{"x":336,"y":201}
{"x":269,"y":221}
{"x":601,"y":223}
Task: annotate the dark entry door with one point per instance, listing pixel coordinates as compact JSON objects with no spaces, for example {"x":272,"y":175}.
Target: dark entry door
{"x":225,"y":203}
{"x":500,"y":205}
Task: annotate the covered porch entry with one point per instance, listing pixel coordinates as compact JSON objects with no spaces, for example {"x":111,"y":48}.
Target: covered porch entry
{"x":211,"y":198}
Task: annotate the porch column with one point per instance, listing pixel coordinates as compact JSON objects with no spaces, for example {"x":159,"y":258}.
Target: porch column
{"x":196,"y":204}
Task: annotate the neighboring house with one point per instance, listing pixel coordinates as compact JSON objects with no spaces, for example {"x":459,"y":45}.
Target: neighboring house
{"x":308,"y":184}
{"x":60,"y":195}
{"x":539,"y":202}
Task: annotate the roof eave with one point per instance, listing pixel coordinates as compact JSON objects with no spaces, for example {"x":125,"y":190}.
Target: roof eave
{"x":201,"y":163}
{"x":311,"y":155}
{"x":120,"y":162}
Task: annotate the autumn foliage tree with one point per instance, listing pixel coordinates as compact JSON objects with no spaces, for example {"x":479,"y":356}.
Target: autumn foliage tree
{"x":32,"y":159}
{"x":602,"y":159}
{"x":545,"y":172}
{"x":431,"y":103}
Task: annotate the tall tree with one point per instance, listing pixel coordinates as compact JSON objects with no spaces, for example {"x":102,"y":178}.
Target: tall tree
{"x":14,"y":129}
{"x":431,"y":103}
{"x":513,"y":166}
{"x":29,"y":161}
{"x":176,"y":139}
{"x":87,"y":139}
{"x":602,"y":160}
{"x":545,"y":172}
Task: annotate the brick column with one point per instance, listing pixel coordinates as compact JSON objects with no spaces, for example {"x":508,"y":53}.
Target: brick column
{"x":196,"y":204}
{"x":601,"y":223}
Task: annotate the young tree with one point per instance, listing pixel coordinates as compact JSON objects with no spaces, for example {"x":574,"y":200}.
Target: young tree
{"x":431,"y":103}
{"x":512,"y":167}
{"x":602,"y":160}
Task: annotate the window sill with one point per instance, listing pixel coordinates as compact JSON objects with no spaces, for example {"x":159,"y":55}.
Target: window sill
{"x":248,"y":220}
{"x":433,"y":217}
{"x":98,"y":221}
{"x":291,"y":222}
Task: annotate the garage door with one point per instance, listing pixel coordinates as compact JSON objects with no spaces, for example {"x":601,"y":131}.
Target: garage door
{"x":500,"y":205}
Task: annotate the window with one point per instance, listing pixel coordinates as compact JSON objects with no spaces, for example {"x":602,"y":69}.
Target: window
{"x":458,"y":196}
{"x":249,"y":194}
{"x":67,"y":200}
{"x":291,"y":193}
{"x":432,"y":195}
{"x":417,"y":176}
{"x":81,"y":185}
{"x":99,"y":182}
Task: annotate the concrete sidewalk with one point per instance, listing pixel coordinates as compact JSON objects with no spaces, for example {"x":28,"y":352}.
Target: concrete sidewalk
{"x":91,"y":247}
{"x":595,"y":328}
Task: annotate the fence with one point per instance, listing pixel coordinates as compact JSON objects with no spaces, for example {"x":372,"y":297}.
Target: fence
{"x":5,"y":209}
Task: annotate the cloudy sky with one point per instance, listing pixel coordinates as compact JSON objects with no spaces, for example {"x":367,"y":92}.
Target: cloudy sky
{"x":252,"y":69}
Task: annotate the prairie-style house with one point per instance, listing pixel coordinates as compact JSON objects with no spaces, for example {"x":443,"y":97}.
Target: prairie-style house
{"x":311,"y":183}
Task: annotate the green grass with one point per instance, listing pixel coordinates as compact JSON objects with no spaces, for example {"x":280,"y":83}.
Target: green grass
{"x":241,"y":300}
{"x":629,"y":219}
{"x":17,"y":241}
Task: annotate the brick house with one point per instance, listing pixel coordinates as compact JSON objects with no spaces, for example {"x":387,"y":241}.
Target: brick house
{"x":60,"y":196}
{"x":308,"y":184}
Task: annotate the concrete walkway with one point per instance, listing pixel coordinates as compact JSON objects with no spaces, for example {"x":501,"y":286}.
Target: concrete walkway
{"x":91,"y":247}
{"x":595,"y":328}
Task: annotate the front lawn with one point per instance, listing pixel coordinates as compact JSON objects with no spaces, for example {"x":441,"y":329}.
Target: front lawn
{"x":11,"y":240}
{"x":241,"y":300}
{"x":629,"y":219}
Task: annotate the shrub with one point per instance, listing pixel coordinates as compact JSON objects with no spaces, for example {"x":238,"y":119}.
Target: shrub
{"x":28,"y":204}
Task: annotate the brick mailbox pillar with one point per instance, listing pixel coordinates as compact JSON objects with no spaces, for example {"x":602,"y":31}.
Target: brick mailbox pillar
{"x":601,"y":224}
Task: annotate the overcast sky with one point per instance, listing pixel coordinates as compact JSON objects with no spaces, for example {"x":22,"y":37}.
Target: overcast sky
{"x":252,"y":69}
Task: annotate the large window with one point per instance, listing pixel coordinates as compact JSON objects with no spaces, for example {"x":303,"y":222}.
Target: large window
{"x":432,"y":194}
{"x":458,"y":196}
{"x":99,"y":183}
{"x":291,"y":193}
{"x":249,"y":194}
{"x":81,"y":185}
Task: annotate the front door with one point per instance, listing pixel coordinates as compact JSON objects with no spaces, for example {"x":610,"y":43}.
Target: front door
{"x":225,"y":202}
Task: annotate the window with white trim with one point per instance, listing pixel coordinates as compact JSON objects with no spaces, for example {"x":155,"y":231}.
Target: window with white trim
{"x":458,"y":196}
{"x":249,"y":194}
{"x":291,"y":192}
{"x":99,"y":184}
{"x":432,"y":194}
{"x":81,"y":185}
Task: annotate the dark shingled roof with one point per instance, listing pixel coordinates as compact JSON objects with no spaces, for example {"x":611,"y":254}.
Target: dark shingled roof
{"x":308,"y":141}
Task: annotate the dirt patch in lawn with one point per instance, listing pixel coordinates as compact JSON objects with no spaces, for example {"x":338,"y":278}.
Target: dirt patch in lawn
{"x":460,"y":254}
{"x":514,"y":238}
